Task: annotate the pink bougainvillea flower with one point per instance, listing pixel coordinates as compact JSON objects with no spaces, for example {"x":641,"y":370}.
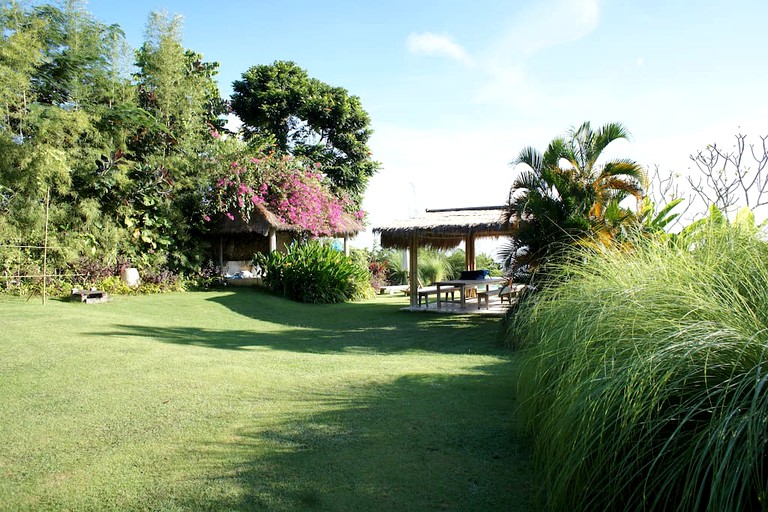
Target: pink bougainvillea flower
{"x":293,"y":189}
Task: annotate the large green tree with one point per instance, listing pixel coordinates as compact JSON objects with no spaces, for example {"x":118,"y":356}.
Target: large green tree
{"x":305,"y":116}
{"x":178,"y":94}
{"x":55,"y":68}
{"x":124,"y":159}
{"x":568,"y":193}
{"x":178,"y":89}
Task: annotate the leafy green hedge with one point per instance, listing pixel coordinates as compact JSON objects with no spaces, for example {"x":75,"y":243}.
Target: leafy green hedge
{"x":316,"y":273}
{"x":644,"y":379}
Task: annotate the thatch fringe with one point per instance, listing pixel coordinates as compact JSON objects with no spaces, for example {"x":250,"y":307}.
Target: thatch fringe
{"x":445,"y":229}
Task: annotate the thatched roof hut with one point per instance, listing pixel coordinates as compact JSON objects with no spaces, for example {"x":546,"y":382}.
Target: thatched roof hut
{"x":265,"y":232}
{"x":444,"y":229}
{"x":263,"y":221}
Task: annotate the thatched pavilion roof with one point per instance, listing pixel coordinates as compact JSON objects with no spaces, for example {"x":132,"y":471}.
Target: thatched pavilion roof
{"x":445,"y":229}
{"x":262,"y":220}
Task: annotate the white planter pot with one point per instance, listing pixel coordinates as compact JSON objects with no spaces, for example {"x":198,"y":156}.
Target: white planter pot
{"x":130,"y":276}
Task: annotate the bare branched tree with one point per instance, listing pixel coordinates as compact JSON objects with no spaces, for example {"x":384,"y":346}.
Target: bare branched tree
{"x":663,"y":187}
{"x":729,"y":182}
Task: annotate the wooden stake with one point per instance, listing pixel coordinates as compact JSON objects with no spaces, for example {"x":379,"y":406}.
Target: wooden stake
{"x":45,"y":244}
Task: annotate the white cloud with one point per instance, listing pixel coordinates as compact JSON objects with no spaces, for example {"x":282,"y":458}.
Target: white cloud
{"x":504,"y":66}
{"x":549,"y":24}
{"x":430,"y":44}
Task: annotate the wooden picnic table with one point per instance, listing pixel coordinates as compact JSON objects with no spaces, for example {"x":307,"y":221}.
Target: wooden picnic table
{"x":463,"y":284}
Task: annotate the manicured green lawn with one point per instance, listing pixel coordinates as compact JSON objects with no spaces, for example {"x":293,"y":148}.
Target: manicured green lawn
{"x":237,"y":400}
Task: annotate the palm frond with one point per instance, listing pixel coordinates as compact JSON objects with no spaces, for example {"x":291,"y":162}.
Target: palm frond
{"x":581,"y":141}
{"x":608,"y":133}
{"x":557,"y":150}
{"x":625,"y":166}
{"x":531,"y":157}
{"x":526,"y":180}
{"x":616,"y":184}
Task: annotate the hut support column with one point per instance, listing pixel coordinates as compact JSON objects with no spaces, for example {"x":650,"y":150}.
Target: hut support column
{"x":469,"y":243}
{"x":413,"y":274}
{"x":346,"y":245}
{"x":272,"y":240}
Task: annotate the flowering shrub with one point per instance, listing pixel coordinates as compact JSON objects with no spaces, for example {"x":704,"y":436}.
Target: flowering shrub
{"x":296,"y":192}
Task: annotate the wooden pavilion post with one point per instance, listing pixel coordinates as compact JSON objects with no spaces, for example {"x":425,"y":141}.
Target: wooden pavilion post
{"x":469,"y":245}
{"x":413,"y":274}
{"x":346,"y":244}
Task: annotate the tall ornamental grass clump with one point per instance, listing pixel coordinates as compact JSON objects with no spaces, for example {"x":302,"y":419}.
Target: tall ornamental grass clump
{"x":316,"y":273}
{"x":644,"y":380}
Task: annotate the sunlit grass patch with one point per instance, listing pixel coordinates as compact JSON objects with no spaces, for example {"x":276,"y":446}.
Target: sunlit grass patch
{"x":239,"y":400}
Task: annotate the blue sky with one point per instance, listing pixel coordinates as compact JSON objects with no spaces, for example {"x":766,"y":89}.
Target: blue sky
{"x":456,"y":89}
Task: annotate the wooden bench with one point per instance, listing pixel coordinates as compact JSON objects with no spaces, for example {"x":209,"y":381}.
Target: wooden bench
{"x":432,"y":290}
{"x":511,"y":291}
{"x":89,"y":296}
{"x":482,"y":295}
{"x":391,"y":290}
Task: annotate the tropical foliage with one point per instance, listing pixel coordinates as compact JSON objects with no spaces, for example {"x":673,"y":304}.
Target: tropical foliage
{"x":644,"y":373}
{"x":566,"y":194}
{"x":314,"y":272}
{"x":458,"y":263}
{"x":117,"y":155}
{"x":386,"y":266}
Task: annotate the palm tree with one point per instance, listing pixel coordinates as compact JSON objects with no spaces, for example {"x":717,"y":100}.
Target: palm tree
{"x":566,"y":194}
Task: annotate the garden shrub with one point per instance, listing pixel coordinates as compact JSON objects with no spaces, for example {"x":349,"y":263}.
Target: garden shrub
{"x":209,"y":276}
{"x":87,"y":273}
{"x":316,"y":273}
{"x":433,"y":266}
{"x":377,"y":264}
{"x":114,"y":285}
{"x":644,"y":377}
{"x":386,"y":266}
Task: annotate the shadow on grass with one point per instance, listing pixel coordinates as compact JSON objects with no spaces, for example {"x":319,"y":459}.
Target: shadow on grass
{"x":423,"y":442}
{"x":329,"y":328}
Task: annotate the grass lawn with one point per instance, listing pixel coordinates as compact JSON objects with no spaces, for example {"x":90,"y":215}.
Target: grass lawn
{"x":237,"y":400}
